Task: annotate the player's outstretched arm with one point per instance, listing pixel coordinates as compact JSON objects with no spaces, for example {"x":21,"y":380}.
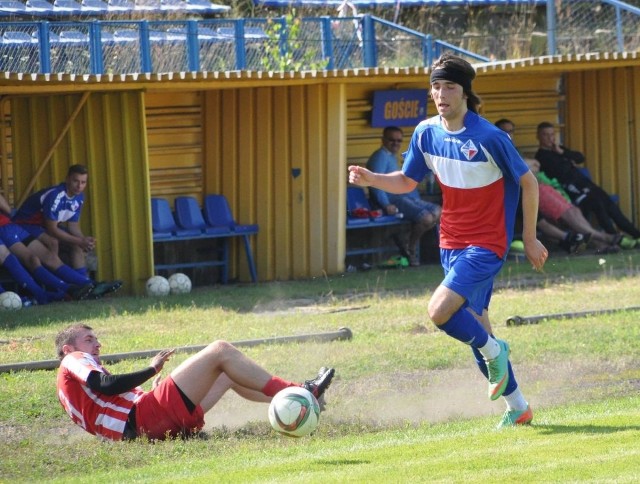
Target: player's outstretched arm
{"x":395,"y":182}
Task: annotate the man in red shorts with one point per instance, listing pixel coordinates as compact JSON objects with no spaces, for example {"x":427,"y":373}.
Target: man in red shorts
{"x":114,"y":407}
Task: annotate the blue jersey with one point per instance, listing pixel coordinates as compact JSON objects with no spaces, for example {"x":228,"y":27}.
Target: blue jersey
{"x":479,"y":171}
{"x":51,"y":203}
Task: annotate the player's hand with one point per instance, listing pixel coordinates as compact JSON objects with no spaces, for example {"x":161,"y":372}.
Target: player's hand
{"x":537,"y":253}
{"x":161,"y":358}
{"x":358,"y":175}
{"x":391,"y":209}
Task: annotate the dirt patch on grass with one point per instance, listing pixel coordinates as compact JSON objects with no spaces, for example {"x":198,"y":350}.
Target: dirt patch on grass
{"x":442,"y":395}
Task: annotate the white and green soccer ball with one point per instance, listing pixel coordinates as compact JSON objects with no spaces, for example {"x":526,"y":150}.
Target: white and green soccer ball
{"x":294,"y":412}
{"x":10,"y":301}
{"x":157,"y":286}
{"x":179,"y":283}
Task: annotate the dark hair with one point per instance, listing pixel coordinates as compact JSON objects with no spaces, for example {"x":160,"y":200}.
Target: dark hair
{"x":502,"y":121}
{"x":391,"y":129}
{"x":77,"y":170}
{"x":462,"y":68}
{"x":68,"y":336}
{"x":544,"y":125}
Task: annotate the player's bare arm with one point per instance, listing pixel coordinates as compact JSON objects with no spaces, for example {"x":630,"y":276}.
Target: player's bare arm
{"x":535,"y":251}
{"x":395,"y":182}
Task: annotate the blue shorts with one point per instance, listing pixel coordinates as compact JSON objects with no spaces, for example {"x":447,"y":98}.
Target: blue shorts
{"x":470,"y":272}
{"x":34,"y":230}
{"x":12,"y":234}
{"x":413,"y":208}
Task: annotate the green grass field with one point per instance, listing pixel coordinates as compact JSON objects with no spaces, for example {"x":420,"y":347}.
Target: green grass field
{"x":407,"y":404}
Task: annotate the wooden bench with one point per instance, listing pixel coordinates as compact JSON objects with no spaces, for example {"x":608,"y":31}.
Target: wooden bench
{"x":189,"y":223}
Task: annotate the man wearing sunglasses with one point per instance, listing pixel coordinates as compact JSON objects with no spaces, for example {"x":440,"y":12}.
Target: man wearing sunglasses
{"x":423,"y":215}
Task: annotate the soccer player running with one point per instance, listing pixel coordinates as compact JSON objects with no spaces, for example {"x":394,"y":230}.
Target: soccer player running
{"x":480,"y":174}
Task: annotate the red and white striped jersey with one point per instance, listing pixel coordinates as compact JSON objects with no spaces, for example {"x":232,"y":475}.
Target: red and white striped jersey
{"x":101,"y":415}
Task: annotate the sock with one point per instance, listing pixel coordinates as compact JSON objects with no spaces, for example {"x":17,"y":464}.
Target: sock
{"x":482,"y":365}
{"x":275,"y":384}
{"x":24,"y":279}
{"x":464,"y":327}
{"x":48,"y":279}
{"x":515,"y":400}
{"x":67,"y":274}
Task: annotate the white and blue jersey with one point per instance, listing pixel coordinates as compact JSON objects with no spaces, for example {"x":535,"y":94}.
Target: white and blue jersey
{"x":479,"y":170}
{"x":51,"y":203}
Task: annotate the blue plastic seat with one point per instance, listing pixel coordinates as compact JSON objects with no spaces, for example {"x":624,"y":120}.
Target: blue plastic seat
{"x":162,"y":221}
{"x":218,"y":213}
{"x":189,"y":216}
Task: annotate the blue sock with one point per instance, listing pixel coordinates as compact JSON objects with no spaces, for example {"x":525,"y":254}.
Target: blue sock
{"x":71,"y":276}
{"x":48,"y":279}
{"x":24,"y":279}
{"x":482,"y":366}
{"x":464,"y":327}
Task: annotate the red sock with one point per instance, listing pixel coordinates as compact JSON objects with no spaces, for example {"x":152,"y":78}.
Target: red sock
{"x":276,"y":384}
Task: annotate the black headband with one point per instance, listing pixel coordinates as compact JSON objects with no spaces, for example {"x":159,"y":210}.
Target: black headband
{"x":453,"y":75}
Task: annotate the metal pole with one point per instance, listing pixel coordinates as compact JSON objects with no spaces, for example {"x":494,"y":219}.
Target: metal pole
{"x":522,"y":320}
{"x":551,"y":27}
{"x":340,"y":335}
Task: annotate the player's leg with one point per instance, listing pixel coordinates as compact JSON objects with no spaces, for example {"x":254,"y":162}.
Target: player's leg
{"x":518,"y":410}
{"x":198,"y":375}
{"x":23,"y":278}
{"x":468,"y":282}
{"x":55,"y":264}
{"x":222,"y":385}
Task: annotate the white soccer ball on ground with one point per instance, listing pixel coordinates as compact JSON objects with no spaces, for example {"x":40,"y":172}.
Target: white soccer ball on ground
{"x":10,"y":301}
{"x":158,"y":286}
{"x":179,"y":283}
{"x":294,"y":412}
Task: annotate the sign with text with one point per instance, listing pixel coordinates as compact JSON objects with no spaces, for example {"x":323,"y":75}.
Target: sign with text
{"x":404,"y":107}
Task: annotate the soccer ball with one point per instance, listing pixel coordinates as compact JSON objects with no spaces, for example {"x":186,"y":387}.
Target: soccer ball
{"x":158,"y":286}
{"x":294,"y":412}
{"x":179,"y":283}
{"x":10,"y":301}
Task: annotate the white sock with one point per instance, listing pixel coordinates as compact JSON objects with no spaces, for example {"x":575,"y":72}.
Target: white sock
{"x":515,"y":400}
{"x":490,"y":350}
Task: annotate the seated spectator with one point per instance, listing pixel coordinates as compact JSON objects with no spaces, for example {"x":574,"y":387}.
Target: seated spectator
{"x":559,"y":210}
{"x":423,"y":215}
{"x":43,"y":212}
{"x":559,"y":162}
{"x":555,"y":205}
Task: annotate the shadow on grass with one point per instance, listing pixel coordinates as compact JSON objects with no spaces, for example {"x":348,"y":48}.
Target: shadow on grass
{"x":584,"y":429}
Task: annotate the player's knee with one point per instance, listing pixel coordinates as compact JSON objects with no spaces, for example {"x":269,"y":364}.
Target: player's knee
{"x":437,"y":315}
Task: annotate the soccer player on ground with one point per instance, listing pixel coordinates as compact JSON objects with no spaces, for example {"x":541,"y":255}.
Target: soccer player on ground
{"x":42,"y":213}
{"x":114,"y":407}
{"x":480,"y":174}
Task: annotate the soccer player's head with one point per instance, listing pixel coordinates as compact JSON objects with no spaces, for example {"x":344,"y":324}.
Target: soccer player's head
{"x":77,"y":177}
{"x":68,"y":338}
{"x":449,"y":67}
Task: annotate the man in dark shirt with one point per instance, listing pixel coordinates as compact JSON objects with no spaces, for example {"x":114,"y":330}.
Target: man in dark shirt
{"x":559,"y":162}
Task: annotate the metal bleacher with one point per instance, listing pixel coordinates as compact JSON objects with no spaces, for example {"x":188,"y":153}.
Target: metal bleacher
{"x":66,"y":8}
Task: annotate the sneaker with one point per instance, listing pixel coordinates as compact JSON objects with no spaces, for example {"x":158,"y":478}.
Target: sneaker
{"x":321,"y":382}
{"x":105,"y":287}
{"x":511,"y":418}
{"x":627,"y":243}
{"x":78,"y":293}
{"x":499,"y":371}
{"x":578,"y":242}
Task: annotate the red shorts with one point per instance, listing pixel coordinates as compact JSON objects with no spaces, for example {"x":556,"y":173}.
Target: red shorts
{"x":162,"y":412}
{"x":552,"y":204}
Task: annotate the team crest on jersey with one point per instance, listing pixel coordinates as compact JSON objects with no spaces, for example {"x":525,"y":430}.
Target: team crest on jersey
{"x":75,"y":205}
{"x":469,"y":150}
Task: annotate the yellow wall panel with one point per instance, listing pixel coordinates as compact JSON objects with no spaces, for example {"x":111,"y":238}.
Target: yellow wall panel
{"x":108,"y":136}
